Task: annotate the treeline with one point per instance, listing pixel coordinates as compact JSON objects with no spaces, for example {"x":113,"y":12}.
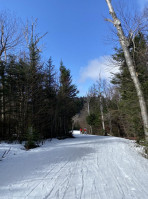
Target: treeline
{"x":35,"y":103}
{"x":113,"y":107}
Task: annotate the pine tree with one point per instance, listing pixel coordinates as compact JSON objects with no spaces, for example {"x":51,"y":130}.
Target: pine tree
{"x":2,"y":99}
{"x":49,"y":102}
{"x":130,"y":64}
{"x":131,"y":116}
{"x":67,"y":94}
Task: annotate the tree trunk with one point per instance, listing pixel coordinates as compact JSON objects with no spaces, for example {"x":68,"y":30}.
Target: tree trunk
{"x":102,"y":115}
{"x":129,"y":62}
{"x":88,"y":110}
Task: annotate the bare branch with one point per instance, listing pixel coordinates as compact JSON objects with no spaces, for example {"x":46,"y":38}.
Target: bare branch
{"x":10,"y":33}
{"x":109,"y":20}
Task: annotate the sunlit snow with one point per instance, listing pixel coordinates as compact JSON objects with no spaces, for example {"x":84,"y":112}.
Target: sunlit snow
{"x":86,"y":167}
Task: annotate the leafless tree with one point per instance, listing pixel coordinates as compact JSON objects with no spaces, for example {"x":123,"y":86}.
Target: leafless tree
{"x":125,"y":44}
{"x":88,"y":98}
{"x":31,"y":35}
{"x":10,"y":33}
{"x":107,"y":89}
{"x":75,"y":120}
{"x":132,"y":22}
{"x":100,"y":93}
{"x":10,"y":37}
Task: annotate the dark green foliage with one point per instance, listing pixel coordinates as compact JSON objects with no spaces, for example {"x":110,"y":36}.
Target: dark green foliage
{"x":122,"y":116}
{"x":32,"y":139}
{"x":92,"y":119}
{"x":128,"y":107}
{"x":79,"y":103}
{"x":66,"y":107}
{"x":35,"y":103}
{"x":30,"y":98}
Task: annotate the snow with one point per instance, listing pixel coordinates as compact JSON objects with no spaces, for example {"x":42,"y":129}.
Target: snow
{"x":86,"y":167}
{"x":76,"y":132}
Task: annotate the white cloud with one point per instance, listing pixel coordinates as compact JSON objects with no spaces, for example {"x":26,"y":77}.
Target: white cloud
{"x":102,"y":66}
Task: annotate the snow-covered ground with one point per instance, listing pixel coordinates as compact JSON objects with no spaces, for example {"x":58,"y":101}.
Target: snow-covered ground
{"x":87,"y":167}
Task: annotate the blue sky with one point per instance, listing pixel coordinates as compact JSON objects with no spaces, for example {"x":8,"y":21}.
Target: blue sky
{"x":77,"y":34}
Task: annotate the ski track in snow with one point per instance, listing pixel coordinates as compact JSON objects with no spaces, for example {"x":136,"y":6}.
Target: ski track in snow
{"x":87,"y":167}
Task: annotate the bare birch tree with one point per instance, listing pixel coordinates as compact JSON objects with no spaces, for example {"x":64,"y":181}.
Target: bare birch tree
{"x":10,"y":33}
{"x":10,"y":37}
{"x":107,"y":94}
{"x":124,"y":44}
{"x":100,"y":91}
{"x":88,"y":98}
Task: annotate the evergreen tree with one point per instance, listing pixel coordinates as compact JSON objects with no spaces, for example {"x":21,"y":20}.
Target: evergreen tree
{"x":49,"y":102}
{"x":2,"y":98}
{"x":67,"y":94}
{"x":129,"y":106}
{"x":32,"y":104}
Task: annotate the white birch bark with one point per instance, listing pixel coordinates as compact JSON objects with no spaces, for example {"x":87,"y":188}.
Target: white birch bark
{"x":102,"y":115}
{"x":88,"y":110}
{"x":124,"y":44}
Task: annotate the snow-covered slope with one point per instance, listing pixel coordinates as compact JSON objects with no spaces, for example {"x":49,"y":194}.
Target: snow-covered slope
{"x":87,"y":167}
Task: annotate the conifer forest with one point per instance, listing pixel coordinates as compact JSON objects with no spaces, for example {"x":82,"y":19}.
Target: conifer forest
{"x":38,"y":102}
{"x":74,"y":99}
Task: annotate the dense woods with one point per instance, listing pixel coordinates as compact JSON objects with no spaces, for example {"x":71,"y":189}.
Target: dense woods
{"x":119,"y":107}
{"x":118,"y":99}
{"x":58,"y":142}
{"x":35,"y":103}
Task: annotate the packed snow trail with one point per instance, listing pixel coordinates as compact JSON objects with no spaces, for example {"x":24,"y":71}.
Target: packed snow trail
{"x":87,"y":167}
